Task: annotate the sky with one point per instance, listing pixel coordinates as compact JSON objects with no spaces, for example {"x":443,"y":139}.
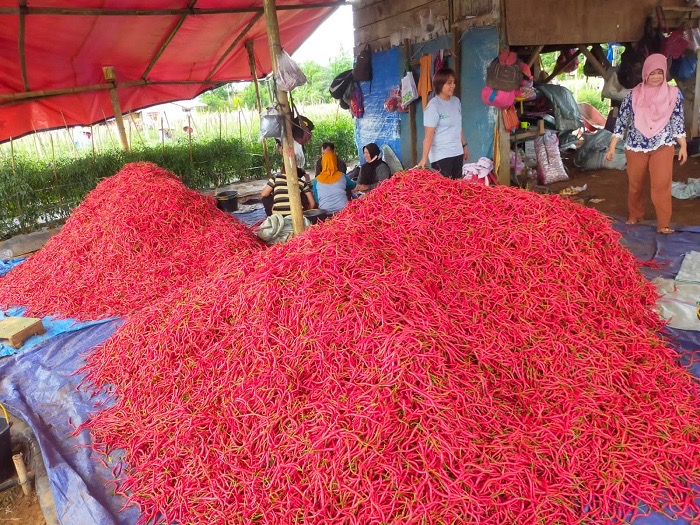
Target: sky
{"x":325,"y":43}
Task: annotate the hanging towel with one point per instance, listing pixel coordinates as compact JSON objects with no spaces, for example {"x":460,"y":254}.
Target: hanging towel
{"x":425,"y":85}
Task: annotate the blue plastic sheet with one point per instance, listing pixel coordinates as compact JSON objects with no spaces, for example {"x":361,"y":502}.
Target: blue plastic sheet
{"x":251,"y":217}
{"x":7,"y":265}
{"x":39,"y":386}
{"x":378,"y":125}
{"x":52,"y":325}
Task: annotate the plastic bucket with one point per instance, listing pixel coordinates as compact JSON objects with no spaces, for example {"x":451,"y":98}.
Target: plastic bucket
{"x":227,"y":200}
{"x":6,"y":466}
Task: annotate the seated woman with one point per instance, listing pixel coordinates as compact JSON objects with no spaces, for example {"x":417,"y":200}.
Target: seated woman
{"x":275,"y":195}
{"x":330,"y":185}
{"x":374,"y":170}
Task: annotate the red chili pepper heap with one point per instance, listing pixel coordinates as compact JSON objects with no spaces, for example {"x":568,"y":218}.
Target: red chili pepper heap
{"x":437,"y":353}
{"x":134,"y":239}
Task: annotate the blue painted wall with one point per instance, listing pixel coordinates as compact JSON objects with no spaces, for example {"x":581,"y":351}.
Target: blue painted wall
{"x":478,"y":47}
{"x":378,"y":125}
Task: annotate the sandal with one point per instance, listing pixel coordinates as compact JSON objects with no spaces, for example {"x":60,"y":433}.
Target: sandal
{"x":632,"y":221}
{"x":666,"y":231}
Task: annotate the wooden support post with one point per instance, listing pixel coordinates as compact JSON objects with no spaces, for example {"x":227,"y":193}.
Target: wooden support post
{"x":254,"y":73}
{"x":92,"y":144}
{"x":108,"y":72}
{"x":290,"y":163}
{"x":411,"y":110}
{"x":457,"y":62}
{"x":561,"y":67}
{"x":138,"y":132}
{"x":18,"y":460}
{"x":70,"y":135}
{"x":696,"y":102}
{"x":162,"y":139}
{"x":502,"y":137}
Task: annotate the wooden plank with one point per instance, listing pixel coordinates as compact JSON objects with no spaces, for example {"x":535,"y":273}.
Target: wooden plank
{"x":535,"y":55}
{"x":537,"y":22}
{"x":384,"y":10}
{"x":16,"y":330}
{"x":594,"y":61}
{"x":384,"y":28}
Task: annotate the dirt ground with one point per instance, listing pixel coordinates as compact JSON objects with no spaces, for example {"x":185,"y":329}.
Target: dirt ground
{"x":611,"y":185}
{"x":18,"y":509}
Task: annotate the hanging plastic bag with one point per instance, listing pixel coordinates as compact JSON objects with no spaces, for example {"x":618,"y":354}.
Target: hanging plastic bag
{"x":270,"y":124}
{"x":409,"y":91}
{"x":289,"y":74}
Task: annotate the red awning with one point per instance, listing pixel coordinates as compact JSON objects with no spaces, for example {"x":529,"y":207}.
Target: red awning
{"x":53,"y":52}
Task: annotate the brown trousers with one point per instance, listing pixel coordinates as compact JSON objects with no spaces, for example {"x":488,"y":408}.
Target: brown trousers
{"x":659,"y":165}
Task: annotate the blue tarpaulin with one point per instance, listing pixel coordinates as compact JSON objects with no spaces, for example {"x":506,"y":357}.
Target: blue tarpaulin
{"x":39,"y":385}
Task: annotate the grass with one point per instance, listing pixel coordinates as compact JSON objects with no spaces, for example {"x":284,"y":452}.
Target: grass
{"x":39,"y":190}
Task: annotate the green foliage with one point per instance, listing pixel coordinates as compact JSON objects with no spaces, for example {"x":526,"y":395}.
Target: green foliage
{"x":592,"y":96}
{"x":34,"y":196}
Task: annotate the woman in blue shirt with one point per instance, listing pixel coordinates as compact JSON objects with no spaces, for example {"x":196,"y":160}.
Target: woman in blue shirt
{"x":652,"y":116}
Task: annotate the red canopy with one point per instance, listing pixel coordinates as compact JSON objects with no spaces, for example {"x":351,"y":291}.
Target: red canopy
{"x":53,"y":52}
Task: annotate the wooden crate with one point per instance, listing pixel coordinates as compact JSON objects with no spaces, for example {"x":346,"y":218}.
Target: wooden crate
{"x":16,"y":330}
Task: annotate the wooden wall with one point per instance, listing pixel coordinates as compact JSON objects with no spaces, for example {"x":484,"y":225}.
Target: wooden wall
{"x":551,"y":22}
{"x":375,"y":21}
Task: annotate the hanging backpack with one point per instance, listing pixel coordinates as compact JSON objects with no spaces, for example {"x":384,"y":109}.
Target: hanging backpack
{"x":504,"y":72}
{"x":340,"y":84}
{"x":362,"y":70}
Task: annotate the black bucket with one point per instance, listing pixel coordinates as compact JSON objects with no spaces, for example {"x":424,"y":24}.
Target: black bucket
{"x":6,"y":467}
{"x":316,"y":216}
{"x":227,"y":200}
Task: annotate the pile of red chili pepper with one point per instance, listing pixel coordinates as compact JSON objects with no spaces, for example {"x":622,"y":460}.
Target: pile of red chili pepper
{"x":134,"y":239}
{"x":437,"y":353}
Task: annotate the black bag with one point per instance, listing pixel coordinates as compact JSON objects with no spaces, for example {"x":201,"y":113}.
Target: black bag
{"x":363,"y":65}
{"x":503,"y":77}
{"x":632,"y":60}
{"x":301,"y":126}
{"x":341,"y":84}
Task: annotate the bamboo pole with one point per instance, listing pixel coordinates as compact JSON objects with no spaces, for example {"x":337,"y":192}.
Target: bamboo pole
{"x":70,"y":135}
{"x":235,"y":43}
{"x":162,"y":139}
{"x":18,"y":460}
{"x":189,"y":136}
{"x":38,"y":138}
{"x":53,"y":160}
{"x":92,"y":143}
{"x":254,"y":73}
{"x":219,"y":126}
{"x":21,"y":46}
{"x":290,"y":163}
{"x":12,"y":157}
{"x":138,"y":132}
{"x":119,"y":119}
{"x":167,"y":41}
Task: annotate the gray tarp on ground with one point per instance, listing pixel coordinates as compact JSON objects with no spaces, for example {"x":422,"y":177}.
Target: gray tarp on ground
{"x":567,"y":115}
{"x":681,"y":190}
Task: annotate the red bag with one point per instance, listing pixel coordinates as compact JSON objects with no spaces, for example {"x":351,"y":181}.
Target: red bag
{"x":673,"y":45}
{"x":510,"y":119}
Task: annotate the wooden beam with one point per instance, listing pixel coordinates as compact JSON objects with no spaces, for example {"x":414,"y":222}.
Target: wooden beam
{"x":535,"y":55}
{"x":167,"y":41}
{"x":20,"y":44}
{"x":117,"y":110}
{"x":290,"y":162}
{"x":594,"y":62}
{"x":68,"y":11}
{"x":254,"y":73}
{"x":488,"y":19}
{"x":411,"y":110}
{"x":561,"y":67}
{"x":233,"y":45}
{"x":696,"y":101}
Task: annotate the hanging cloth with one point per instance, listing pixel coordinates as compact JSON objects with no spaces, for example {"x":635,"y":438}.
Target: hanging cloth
{"x":425,"y":85}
